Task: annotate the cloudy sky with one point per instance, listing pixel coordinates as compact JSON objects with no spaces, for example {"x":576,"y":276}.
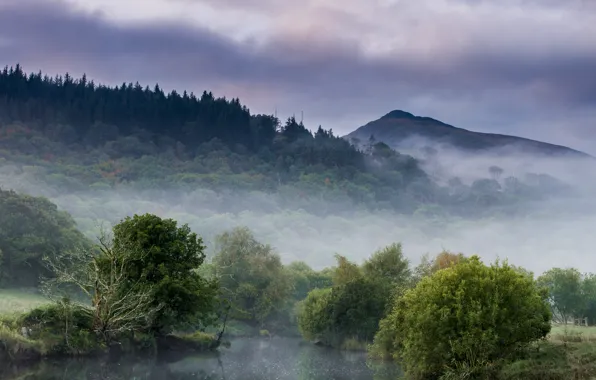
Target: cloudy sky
{"x":524,"y":67}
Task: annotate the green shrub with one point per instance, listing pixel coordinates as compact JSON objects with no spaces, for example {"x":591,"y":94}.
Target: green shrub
{"x":314,"y":319}
{"x":14,"y":345}
{"x":61,"y":328}
{"x":464,"y":318}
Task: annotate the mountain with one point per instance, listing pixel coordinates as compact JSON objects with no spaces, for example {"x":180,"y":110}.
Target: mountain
{"x":70,"y":135}
{"x":403,"y":131}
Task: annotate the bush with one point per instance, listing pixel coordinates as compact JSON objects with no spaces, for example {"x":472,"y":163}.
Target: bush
{"x":313,"y":320}
{"x":348,"y":311}
{"x":61,"y":328}
{"x":466,"y":317}
{"x":13,"y":345}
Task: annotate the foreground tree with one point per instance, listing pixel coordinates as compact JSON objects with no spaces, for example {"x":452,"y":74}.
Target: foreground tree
{"x":165,"y":259}
{"x":102,"y":276}
{"x":467,"y":315}
{"x":144,"y":279}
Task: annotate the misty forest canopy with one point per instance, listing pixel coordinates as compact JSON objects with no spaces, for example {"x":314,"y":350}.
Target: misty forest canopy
{"x":76,"y":135}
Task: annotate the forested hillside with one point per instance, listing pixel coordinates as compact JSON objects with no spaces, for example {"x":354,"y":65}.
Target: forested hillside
{"x":76,"y":135}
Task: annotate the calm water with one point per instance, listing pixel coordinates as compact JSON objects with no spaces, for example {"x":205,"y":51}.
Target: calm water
{"x":246,"y":359}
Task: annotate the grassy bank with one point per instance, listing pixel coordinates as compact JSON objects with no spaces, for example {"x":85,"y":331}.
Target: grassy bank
{"x":20,"y":300}
{"x":570,"y":333}
{"x":568,"y":353}
{"x":31,"y":327}
{"x":554,"y":361}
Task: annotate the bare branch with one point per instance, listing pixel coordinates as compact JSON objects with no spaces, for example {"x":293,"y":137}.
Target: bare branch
{"x":117,"y":305}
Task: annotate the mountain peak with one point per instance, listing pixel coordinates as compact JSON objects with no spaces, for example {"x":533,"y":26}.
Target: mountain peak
{"x":398,"y":114}
{"x":397,"y":128}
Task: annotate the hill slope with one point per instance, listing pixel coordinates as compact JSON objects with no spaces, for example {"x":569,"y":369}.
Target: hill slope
{"x":402,"y":130}
{"x":71,"y":135}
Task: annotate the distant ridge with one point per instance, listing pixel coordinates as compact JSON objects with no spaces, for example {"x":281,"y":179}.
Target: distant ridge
{"x":403,"y":130}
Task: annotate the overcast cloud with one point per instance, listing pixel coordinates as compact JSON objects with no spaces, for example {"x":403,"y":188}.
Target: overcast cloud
{"x":523,"y":67}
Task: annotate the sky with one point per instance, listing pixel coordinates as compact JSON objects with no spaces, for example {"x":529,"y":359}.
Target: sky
{"x":522,"y":67}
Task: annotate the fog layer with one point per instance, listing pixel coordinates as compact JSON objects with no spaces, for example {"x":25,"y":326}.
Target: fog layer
{"x":555,"y":231}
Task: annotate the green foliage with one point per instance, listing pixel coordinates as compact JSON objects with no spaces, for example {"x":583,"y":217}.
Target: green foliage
{"x":565,"y":292}
{"x":61,"y":328}
{"x":14,"y":345}
{"x":314,"y":319}
{"x":589,"y":295}
{"x":390,"y":270}
{"x":357,"y":307}
{"x":388,"y":265}
{"x":304,"y":279}
{"x":346,"y":271}
{"x":351,"y":309}
{"x":467,"y":315}
{"x":348,"y":311}
{"x":165,"y":258}
{"x":443,"y":260}
{"x":553,"y":361}
{"x":30,"y":228}
{"x":251,"y":276}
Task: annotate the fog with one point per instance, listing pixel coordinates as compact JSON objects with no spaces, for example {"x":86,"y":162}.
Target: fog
{"x":246,"y":359}
{"x":554,"y":232}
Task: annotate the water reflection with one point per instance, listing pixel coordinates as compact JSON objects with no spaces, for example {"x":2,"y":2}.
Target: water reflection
{"x":246,"y":359}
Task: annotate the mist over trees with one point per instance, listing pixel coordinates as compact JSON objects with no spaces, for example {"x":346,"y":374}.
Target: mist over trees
{"x":75,"y":135}
{"x":152,"y":282}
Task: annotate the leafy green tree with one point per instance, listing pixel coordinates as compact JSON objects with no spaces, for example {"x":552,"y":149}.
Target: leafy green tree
{"x":351,"y":310}
{"x":102,"y":275}
{"x":358,"y":298}
{"x":304,"y":279}
{"x":345,"y":271}
{"x":251,"y":276}
{"x":356,"y":308}
{"x":165,"y":258}
{"x":565,"y":292}
{"x":468,"y":315}
{"x":388,"y":266}
{"x":589,"y":295}
{"x":31,"y":228}
{"x":314,"y":318}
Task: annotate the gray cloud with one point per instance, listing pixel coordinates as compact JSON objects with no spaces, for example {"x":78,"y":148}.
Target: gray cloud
{"x":512,"y":82}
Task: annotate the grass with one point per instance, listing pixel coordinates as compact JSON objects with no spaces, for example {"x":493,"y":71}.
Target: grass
{"x":15,"y":302}
{"x":20,"y":300}
{"x":554,"y":361}
{"x":568,"y":353}
{"x":15,"y":345}
{"x":571,"y":333}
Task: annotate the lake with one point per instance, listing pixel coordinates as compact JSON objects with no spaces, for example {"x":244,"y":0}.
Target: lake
{"x":246,"y":359}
